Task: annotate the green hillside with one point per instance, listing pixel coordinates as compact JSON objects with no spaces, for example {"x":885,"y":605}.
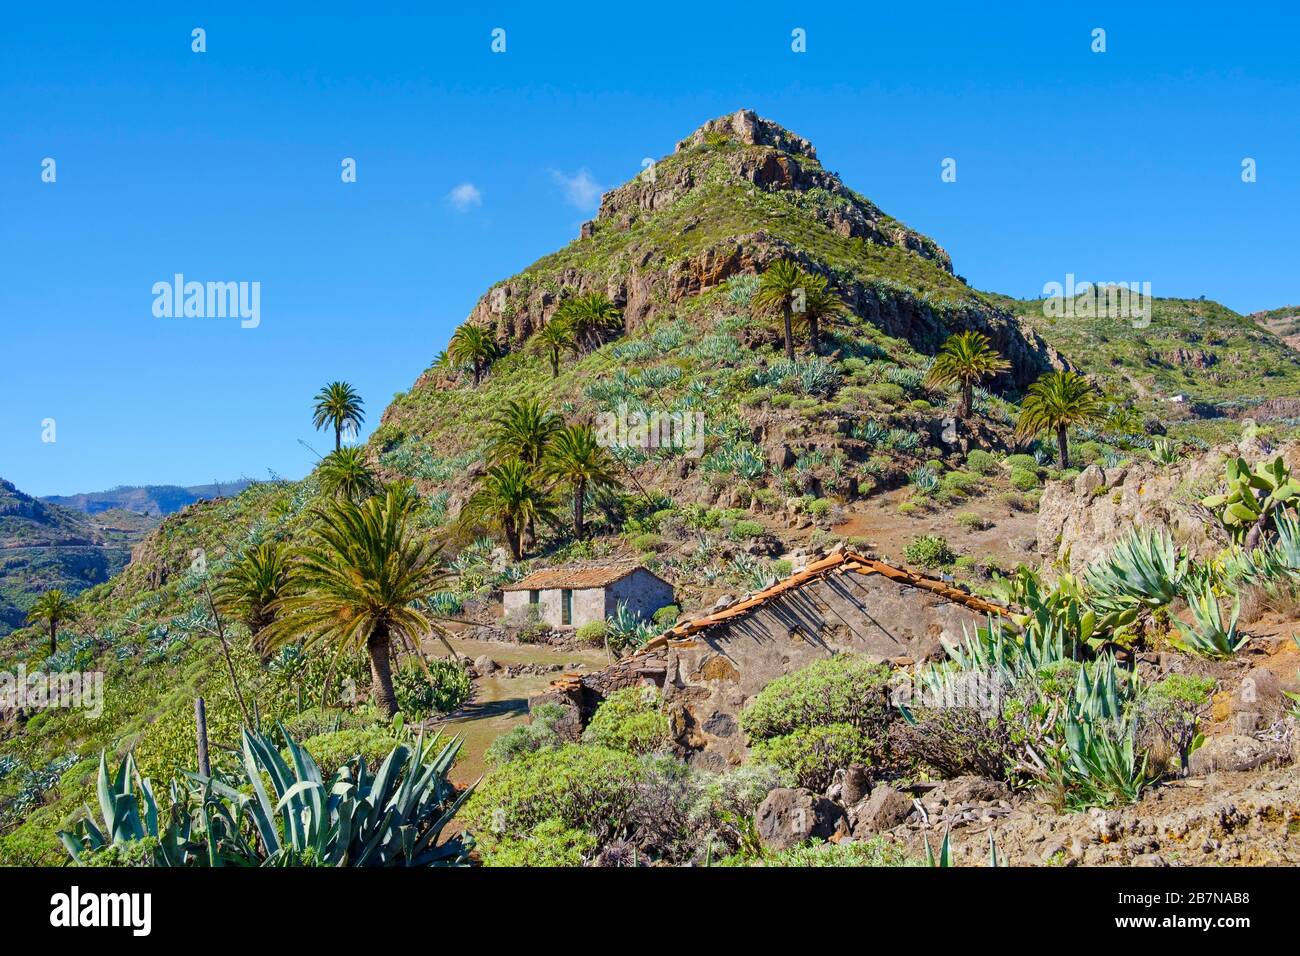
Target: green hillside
{"x":788,"y":447}
{"x":1192,"y":347}
{"x":45,"y":546}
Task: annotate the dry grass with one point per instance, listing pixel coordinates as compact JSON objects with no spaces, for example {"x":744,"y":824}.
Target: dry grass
{"x":1276,"y":599}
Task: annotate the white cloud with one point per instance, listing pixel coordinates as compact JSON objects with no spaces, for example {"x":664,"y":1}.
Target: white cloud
{"x":465,"y":197}
{"x":580,"y":189}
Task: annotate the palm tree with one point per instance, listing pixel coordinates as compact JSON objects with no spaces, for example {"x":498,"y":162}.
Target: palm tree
{"x":523,"y":429}
{"x":820,"y":304}
{"x":776,"y":292}
{"x":51,"y":609}
{"x":252,"y":586}
{"x":589,"y":315}
{"x":509,"y":498}
{"x":472,"y":345}
{"x":554,"y":338}
{"x":338,"y":404}
{"x":357,"y":584}
{"x":577,"y":459}
{"x":1057,"y":401}
{"x":346,"y":473}
{"x":965,"y":359}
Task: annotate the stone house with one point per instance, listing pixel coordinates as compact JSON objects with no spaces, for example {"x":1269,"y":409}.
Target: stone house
{"x":708,"y":668}
{"x":571,"y":597}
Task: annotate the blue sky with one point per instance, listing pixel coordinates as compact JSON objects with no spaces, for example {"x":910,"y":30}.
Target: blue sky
{"x":225,"y":166}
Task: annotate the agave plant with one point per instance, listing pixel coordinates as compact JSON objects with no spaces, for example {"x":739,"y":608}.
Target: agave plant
{"x":392,"y":817}
{"x":128,"y":813}
{"x":1209,"y":636}
{"x":1099,"y":694}
{"x":626,"y":629}
{"x":1164,"y":451}
{"x":1142,"y":570}
{"x":924,"y":479}
{"x":1104,"y":760}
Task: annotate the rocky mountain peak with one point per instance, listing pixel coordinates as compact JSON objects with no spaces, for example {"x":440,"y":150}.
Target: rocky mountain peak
{"x":747,"y":127}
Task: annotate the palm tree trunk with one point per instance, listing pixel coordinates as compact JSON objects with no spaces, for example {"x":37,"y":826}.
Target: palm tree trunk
{"x":338,"y":436}
{"x":967,"y":399}
{"x":54,"y":637}
{"x":512,"y":540}
{"x":789,"y":333}
{"x":813,"y":333}
{"x":555,"y":363}
{"x":1063,"y":447}
{"x":379,"y":647}
{"x":579,"y":493}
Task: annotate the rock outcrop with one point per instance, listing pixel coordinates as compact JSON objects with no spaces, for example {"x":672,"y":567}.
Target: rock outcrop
{"x":1079,"y":520}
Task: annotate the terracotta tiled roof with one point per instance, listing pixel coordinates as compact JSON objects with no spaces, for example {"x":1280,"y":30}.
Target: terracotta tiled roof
{"x":573,"y":578}
{"x":840,"y":562}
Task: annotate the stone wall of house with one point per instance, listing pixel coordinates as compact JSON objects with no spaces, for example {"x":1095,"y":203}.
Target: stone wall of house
{"x":641,"y":591}
{"x":711,"y":675}
{"x":588,"y":605}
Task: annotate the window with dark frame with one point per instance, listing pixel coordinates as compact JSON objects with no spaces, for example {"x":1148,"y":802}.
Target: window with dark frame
{"x":566,"y":606}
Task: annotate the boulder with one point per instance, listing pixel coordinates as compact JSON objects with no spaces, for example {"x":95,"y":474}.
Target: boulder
{"x":968,"y":789}
{"x":788,"y":817}
{"x":484,"y":665}
{"x":1089,"y":481}
{"x":884,"y":809}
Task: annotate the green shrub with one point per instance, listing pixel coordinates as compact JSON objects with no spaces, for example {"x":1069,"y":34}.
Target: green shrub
{"x":840,"y":689}
{"x":631,"y":720}
{"x":647,"y":542}
{"x":819,"y":507}
{"x":887,"y":393}
{"x":550,"y":844}
{"x":444,"y":688}
{"x":1172,"y":710}
{"x":748,"y":529}
{"x":538,"y":734}
{"x":808,"y":757}
{"x":930,"y":551}
{"x":313,"y":721}
{"x":982,"y":462}
{"x":959,"y":483}
{"x":585,"y":788}
{"x":666,"y":616}
{"x":875,"y":851}
{"x":971,"y":521}
{"x":1023,"y":462}
{"x":593,"y":632}
{"x":1023,"y":479}
{"x":337,"y":748}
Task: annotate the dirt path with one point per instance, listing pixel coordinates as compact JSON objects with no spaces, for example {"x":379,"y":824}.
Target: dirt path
{"x":501,"y":703}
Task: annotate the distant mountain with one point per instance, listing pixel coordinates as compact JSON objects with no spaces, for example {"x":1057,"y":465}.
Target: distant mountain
{"x":45,"y":545}
{"x":157,"y":500}
{"x":1283,"y":322}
